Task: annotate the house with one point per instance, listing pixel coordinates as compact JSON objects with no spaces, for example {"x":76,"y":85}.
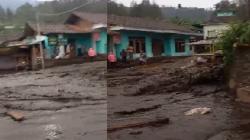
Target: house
{"x":81,"y":31}
{"x":154,"y":37}
{"x":11,"y":56}
{"x":95,"y":23}
{"x":212,"y":30}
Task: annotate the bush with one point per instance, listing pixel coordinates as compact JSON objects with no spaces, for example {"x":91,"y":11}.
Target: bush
{"x":238,"y":33}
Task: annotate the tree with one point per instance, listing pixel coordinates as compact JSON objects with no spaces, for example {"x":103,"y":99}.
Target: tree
{"x":225,"y":5}
{"x":244,"y":9}
{"x":9,"y":15}
{"x":116,"y":9}
{"x":25,"y":12}
{"x":238,"y":33}
{"x":145,"y":9}
{"x":2,"y":14}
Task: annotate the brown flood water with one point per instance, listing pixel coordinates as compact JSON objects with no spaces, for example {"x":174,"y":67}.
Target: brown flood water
{"x":63,"y":103}
{"x":156,"y":91}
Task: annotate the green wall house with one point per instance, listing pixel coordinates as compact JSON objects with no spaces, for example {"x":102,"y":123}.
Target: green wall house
{"x":80,"y":30}
{"x":155,"y":38}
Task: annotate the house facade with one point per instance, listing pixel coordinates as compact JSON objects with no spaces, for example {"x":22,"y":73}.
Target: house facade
{"x":155,"y":38}
{"x":80,"y":32}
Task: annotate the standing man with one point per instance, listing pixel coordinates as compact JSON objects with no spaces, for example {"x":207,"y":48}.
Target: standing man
{"x":124,"y":56}
{"x":130,"y":51}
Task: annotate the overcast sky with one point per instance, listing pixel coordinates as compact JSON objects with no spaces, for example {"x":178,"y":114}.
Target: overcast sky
{"x":174,"y":3}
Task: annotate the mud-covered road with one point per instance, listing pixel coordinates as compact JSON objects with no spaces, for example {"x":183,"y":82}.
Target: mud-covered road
{"x":139,"y":98}
{"x":63,"y":103}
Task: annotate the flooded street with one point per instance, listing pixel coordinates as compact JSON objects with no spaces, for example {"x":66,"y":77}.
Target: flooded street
{"x":62,"y":103}
{"x":142,"y":98}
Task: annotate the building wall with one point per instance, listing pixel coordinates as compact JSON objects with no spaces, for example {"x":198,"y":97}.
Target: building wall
{"x":101,"y":45}
{"x":217,"y":29}
{"x":82,"y":41}
{"x":168,"y":41}
{"x":7,"y":62}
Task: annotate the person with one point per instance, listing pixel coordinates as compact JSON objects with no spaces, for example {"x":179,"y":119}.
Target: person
{"x":130,"y":51}
{"x":61,"y":53}
{"x":91,"y":54}
{"x":143,"y":58}
{"x":111,"y":59}
{"x":124,"y":56}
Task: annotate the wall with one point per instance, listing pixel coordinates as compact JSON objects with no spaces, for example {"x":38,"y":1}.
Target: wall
{"x":83,"y":41}
{"x":217,"y":28}
{"x":101,"y":45}
{"x":7,"y":62}
{"x":168,"y":40}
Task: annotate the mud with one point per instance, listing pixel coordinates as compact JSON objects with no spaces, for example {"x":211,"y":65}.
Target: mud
{"x":167,"y":90}
{"x":62,"y":103}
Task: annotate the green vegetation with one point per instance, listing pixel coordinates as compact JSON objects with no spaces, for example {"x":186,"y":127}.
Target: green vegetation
{"x":238,"y":33}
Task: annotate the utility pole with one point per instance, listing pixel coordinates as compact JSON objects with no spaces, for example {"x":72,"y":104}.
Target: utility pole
{"x":40,"y":43}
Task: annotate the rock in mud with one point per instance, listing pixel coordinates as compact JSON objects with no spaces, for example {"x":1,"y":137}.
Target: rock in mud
{"x":17,"y":116}
{"x":134,"y":132}
{"x":243,"y":94}
{"x":201,"y":111}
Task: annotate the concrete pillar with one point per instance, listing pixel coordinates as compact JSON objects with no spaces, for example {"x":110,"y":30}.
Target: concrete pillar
{"x":172,"y":46}
{"x":187,"y":47}
{"x":33,"y":58}
{"x":149,"y":47}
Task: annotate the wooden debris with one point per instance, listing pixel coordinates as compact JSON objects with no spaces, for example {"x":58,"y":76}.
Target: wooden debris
{"x":17,"y":116}
{"x":136,"y":123}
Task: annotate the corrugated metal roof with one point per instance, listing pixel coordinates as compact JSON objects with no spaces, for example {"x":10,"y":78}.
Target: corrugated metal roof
{"x":53,"y":28}
{"x":95,"y":18}
{"x":146,"y":23}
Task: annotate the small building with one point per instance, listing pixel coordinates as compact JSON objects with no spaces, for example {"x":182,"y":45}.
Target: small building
{"x":212,"y":30}
{"x":11,"y":56}
{"x":96,"y":23}
{"x":154,"y":37}
{"x":80,"y":32}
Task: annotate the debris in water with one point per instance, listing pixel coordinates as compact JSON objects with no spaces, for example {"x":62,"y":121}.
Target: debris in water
{"x":135,"y":132}
{"x":137,"y":123}
{"x":201,"y":111}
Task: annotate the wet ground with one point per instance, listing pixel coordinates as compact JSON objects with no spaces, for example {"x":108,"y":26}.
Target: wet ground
{"x":63,"y":103}
{"x":158,"y":91}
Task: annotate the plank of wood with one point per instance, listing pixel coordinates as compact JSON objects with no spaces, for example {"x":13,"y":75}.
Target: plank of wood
{"x":17,"y":116}
{"x":136,"y":123}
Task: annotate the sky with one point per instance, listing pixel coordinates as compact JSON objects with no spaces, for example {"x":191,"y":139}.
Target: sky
{"x":185,"y":3}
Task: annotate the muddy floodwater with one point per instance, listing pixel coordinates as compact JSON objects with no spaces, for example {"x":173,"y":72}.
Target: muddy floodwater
{"x":161,"y":91}
{"x":63,"y":103}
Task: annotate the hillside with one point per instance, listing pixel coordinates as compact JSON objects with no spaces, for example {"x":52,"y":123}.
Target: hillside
{"x":14,"y":4}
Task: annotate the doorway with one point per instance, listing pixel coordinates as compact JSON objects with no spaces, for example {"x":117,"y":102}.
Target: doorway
{"x":158,"y":47}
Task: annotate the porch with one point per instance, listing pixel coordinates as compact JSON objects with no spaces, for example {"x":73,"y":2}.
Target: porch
{"x":152,"y":44}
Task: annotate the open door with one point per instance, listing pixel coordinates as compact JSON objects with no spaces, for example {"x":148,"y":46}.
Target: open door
{"x":158,"y":47}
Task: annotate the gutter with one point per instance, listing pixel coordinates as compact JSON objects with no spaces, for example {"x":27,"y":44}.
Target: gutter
{"x":118,"y":28}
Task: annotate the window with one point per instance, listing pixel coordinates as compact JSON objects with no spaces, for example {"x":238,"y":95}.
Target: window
{"x":138,"y":43}
{"x":179,"y":45}
{"x":212,"y":34}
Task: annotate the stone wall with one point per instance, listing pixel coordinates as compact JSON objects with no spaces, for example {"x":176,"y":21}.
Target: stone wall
{"x":240,"y":73}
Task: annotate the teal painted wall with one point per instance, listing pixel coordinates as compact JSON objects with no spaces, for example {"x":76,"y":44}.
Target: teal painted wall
{"x":83,"y":41}
{"x":101,"y":45}
{"x":172,"y":46}
{"x":168,"y":41}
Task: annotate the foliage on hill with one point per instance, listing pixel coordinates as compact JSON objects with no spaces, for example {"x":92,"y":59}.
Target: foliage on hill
{"x":238,"y":33}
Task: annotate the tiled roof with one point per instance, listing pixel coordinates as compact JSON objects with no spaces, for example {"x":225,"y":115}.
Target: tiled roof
{"x":10,"y":37}
{"x":220,"y":20}
{"x":95,"y":18}
{"x":52,"y":28}
{"x":146,"y":23}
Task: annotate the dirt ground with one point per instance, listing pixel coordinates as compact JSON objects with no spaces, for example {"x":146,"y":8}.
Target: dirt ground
{"x":159,"y":91}
{"x":63,"y":103}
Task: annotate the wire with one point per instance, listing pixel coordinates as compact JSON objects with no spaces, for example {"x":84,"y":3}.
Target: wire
{"x":68,"y":11}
